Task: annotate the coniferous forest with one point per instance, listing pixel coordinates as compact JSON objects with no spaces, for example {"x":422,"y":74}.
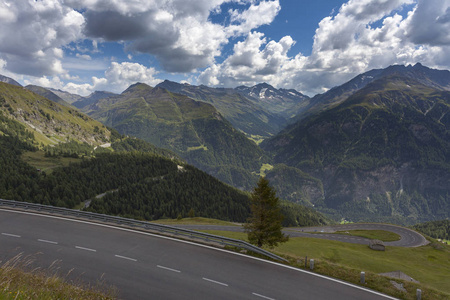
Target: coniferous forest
{"x":147,"y":186}
{"x":436,"y":229}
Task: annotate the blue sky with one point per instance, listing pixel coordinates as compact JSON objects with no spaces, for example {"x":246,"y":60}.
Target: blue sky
{"x":85,"y":45}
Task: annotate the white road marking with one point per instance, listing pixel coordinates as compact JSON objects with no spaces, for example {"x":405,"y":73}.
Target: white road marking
{"x":213,"y":281}
{"x":87,"y":249}
{"x":124,"y":257}
{"x":169,"y":269}
{"x":48,"y":242}
{"x":11,"y":235}
{"x":262,"y":296}
{"x":206,"y":247}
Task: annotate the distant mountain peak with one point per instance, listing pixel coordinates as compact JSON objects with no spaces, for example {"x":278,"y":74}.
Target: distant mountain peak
{"x":264,"y":85}
{"x":137,"y":86}
{"x":47,"y":93}
{"x":9,"y":80}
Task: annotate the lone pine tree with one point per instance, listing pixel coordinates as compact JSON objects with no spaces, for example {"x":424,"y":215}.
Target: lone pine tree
{"x":264,"y":225}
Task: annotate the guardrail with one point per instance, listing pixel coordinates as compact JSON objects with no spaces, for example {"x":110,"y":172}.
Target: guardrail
{"x":162,"y":229}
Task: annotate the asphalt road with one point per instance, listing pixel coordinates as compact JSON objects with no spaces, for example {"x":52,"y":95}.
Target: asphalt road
{"x":145,"y":266}
{"x":408,"y":237}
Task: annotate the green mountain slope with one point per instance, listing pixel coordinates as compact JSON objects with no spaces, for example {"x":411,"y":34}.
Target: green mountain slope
{"x":436,"y":79}
{"x":192,"y":129}
{"x":382,"y":154}
{"x":50,"y":122}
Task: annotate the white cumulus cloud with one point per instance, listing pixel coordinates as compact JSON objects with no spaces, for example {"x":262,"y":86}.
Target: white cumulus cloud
{"x":179,"y":33}
{"x":33,"y":32}
{"x":362,"y":35}
{"x":254,"y":60}
{"x":118,"y":77}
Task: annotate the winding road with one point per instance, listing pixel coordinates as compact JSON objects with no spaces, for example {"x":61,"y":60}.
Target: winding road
{"x":145,"y":266}
{"x":408,"y":237}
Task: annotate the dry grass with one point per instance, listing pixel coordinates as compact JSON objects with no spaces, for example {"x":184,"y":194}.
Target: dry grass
{"x":18,"y":280}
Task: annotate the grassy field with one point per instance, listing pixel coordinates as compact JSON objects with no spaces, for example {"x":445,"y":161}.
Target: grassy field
{"x":385,"y":236}
{"x":430,"y":264}
{"x":47,"y":164}
{"x":264,"y":169}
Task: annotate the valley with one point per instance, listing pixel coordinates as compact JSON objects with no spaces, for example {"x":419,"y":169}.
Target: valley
{"x":373,"y":149}
{"x":293,"y":149}
{"x":378,"y":151}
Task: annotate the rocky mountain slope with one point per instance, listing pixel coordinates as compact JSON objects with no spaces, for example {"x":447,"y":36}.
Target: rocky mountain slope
{"x":283,"y":102}
{"x":382,"y":153}
{"x":47,"y":94}
{"x":66,"y":96}
{"x":93,"y":98}
{"x":9,"y":80}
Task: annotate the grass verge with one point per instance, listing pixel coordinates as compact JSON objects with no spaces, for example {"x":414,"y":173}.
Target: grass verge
{"x":47,"y":164}
{"x":429,"y":264}
{"x":17,"y":284}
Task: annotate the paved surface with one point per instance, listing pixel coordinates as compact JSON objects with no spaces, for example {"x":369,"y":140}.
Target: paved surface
{"x":143,"y":266}
{"x":408,"y":237}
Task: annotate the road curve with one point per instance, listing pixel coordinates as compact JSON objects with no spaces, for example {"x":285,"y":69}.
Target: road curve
{"x":145,"y":266}
{"x":408,"y":237}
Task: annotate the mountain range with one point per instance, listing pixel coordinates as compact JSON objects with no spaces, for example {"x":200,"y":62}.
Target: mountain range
{"x":257,"y":115}
{"x":375,"y":148}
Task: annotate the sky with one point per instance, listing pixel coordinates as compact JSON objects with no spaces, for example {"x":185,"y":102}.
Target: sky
{"x":81,"y":46}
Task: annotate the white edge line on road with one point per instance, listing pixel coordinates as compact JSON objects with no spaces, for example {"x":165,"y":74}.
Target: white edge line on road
{"x":262,"y":296}
{"x":48,"y":242}
{"x":11,"y":235}
{"x":168,"y":269}
{"x":87,"y":249}
{"x":208,"y":247}
{"x":124,"y":257}
{"x":216,"y":282}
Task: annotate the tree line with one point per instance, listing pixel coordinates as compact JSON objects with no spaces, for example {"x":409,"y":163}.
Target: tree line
{"x":435,"y":229}
{"x":141,"y":185}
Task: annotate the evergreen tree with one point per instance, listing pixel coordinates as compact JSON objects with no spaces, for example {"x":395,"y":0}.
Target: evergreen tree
{"x":264,"y":225}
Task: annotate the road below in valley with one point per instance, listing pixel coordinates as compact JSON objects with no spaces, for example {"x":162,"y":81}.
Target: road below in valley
{"x":408,"y":237}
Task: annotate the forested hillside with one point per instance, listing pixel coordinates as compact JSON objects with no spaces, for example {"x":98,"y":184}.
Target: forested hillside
{"x":174,"y":190}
